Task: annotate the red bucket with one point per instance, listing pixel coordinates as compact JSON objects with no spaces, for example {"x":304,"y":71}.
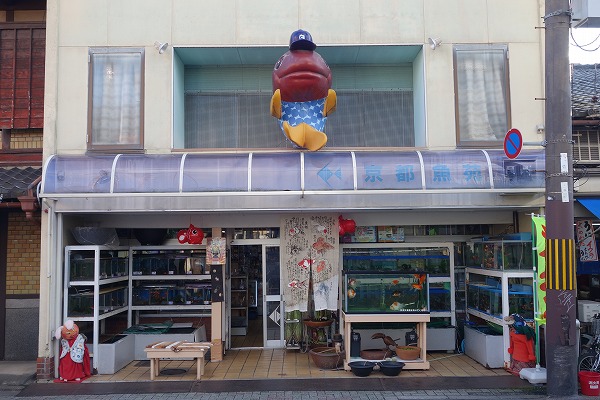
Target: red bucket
{"x":590,"y":383}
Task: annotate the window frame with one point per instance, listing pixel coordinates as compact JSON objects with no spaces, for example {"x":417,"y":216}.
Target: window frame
{"x":464,"y":143}
{"x":137,"y":147}
{"x":343,"y":88}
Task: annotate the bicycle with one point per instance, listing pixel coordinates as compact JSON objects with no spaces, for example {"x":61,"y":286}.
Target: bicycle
{"x":590,"y":359}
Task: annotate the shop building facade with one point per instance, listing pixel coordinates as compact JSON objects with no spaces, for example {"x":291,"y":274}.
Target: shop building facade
{"x":158,"y":118}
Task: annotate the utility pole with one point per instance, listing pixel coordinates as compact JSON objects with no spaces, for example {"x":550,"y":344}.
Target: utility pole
{"x":561,"y":332}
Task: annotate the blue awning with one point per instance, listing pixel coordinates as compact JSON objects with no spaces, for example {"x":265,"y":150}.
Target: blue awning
{"x":592,"y":204}
{"x":345,"y":171}
{"x":291,"y":180}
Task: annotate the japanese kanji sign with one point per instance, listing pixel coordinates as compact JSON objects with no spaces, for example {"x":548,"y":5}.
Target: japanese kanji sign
{"x":586,"y":241}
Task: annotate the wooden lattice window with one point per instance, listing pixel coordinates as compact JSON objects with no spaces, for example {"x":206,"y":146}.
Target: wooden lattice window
{"x":22,"y":58}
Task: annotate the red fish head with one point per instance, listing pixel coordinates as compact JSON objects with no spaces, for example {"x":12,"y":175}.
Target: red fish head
{"x":301,"y":75}
{"x":191,"y":235}
{"x":195,"y":235}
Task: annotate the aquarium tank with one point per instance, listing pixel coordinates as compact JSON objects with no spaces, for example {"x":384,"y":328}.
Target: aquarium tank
{"x":434,"y":261}
{"x":385,"y":292}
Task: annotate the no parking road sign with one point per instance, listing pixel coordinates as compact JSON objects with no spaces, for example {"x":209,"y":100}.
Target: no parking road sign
{"x":513,"y":143}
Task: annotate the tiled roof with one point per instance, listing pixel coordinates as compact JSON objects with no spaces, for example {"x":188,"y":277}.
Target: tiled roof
{"x":585,"y":91}
{"x":14,"y":181}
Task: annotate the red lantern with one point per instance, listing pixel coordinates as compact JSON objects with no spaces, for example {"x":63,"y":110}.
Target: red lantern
{"x":347,"y":226}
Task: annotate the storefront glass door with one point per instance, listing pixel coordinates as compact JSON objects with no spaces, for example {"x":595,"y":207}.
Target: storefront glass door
{"x":273,"y":317}
{"x":259,"y":323}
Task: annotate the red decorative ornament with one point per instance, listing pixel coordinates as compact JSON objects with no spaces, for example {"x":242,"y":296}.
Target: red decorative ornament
{"x":347,"y":226}
{"x":191,"y":235}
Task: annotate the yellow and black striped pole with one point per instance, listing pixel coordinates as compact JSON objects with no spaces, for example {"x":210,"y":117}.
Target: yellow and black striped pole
{"x":560,"y":264}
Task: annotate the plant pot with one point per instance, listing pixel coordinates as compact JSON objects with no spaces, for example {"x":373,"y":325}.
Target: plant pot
{"x":391,"y":368}
{"x":361,"y":368}
{"x":375,"y":354}
{"x":326,"y":357}
{"x":408,"y":352}
{"x":317,"y":324}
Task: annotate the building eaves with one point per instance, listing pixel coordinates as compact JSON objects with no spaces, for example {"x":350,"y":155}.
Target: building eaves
{"x":15,"y":181}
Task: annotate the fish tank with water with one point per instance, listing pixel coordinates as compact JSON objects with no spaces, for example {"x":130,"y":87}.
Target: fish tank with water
{"x":433,"y":260}
{"x":385,"y":292}
{"x":500,"y":254}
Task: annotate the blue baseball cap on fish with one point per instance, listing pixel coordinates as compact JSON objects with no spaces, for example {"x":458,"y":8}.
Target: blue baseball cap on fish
{"x":301,"y":40}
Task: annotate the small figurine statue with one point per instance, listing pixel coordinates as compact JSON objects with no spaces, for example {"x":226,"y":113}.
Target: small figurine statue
{"x":75,"y":367}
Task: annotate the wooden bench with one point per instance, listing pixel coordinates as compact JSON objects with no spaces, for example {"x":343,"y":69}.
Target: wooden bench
{"x":176,"y":350}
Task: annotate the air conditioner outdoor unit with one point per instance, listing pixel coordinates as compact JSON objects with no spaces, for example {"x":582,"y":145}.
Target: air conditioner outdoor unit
{"x":586,"y":13}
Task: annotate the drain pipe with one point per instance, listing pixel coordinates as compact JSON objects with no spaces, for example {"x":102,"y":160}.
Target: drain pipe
{"x":29,"y":202}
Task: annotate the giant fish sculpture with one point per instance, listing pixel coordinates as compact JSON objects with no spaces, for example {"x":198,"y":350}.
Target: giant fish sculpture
{"x":302,"y":95}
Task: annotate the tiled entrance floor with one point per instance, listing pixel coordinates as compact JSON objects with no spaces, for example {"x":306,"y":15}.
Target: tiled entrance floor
{"x":286,"y":364}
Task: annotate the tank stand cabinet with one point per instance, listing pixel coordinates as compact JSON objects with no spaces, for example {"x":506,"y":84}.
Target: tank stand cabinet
{"x":420,"y":319}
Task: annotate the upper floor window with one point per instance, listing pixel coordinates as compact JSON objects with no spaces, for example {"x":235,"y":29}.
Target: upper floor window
{"x":116,"y":109}
{"x":222,"y":96}
{"x":482,"y":94}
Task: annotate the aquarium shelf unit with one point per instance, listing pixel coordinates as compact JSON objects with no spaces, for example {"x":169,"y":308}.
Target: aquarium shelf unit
{"x":170,"y":281}
{"x":436,"y":260}
{"x":239,"y":305}
{"x":493,"y":294}
{"x":95,"y":286}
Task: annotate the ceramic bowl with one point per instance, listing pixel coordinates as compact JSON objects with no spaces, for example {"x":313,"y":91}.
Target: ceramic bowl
{"x":361,"y":368}
{"x":408,"y":352}
{"x":375,"y":354}
{"x":391,"y":368}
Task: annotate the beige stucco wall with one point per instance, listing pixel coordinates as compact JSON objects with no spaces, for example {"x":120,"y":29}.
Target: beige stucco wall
{"x":139,"y":23}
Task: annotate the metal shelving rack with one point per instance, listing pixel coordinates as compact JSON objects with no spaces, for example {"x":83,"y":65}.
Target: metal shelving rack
{"x":93,"y":271}
{"x":171,"y":277}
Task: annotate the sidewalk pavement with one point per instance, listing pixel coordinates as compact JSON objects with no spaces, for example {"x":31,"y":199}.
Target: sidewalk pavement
{"x":16,"y":376}
{"x":17,"y":380}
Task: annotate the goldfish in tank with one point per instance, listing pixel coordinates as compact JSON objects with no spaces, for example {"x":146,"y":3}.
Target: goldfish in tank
{"x":420,"y":281}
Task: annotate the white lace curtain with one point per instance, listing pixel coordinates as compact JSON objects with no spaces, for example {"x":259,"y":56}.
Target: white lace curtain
{"x":116,"y":98}
{"x":482,"y":93}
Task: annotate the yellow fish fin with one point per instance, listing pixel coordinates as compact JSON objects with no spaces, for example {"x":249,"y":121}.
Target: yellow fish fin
{"x":305,"y":136}
{"x":330,"y":103}
{"x":276,"y":104}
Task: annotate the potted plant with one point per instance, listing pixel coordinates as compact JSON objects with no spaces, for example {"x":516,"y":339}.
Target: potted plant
{"x":403,"y":352}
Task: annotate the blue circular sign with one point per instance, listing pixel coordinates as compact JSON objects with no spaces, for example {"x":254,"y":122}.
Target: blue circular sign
{"x":513,"y":143}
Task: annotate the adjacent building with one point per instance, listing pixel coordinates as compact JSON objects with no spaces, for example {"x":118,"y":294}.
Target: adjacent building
{"x":22,"y":61}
